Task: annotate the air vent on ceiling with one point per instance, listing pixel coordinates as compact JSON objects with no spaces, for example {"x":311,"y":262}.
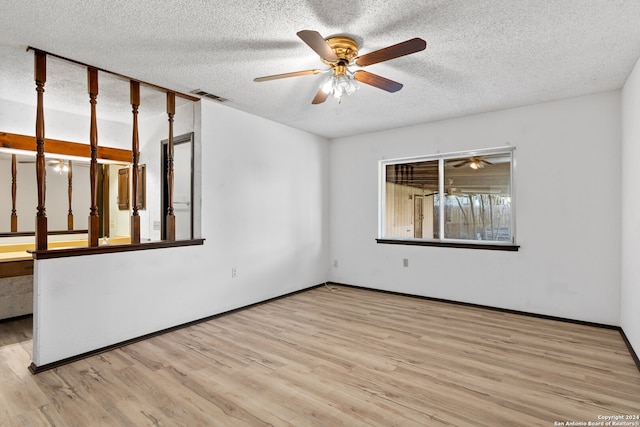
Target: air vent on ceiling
{"x":204,"y":94}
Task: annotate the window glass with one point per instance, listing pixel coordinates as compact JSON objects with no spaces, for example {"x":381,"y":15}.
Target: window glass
{"x":410,"y":190}
{"x":478,"y":198}
{"x":476,"y":203}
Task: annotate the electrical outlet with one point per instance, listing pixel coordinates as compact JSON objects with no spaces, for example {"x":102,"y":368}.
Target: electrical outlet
{"x":234,"y":272}
{"x":405,"y":262}
{"x":156,"y":225}
{"x":335,"y":263}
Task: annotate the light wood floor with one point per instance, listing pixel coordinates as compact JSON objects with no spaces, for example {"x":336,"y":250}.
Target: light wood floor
{"x":331,"y":357}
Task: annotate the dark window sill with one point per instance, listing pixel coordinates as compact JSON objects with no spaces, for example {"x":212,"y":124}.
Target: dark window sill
{"x":484,"y":246}
{"x":109,"y":249}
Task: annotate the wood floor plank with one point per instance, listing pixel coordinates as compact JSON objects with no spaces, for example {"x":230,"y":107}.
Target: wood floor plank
{"x":24,"y":394}
{"x":43,"y":416}
{"x":70,"y":401}
{"x":334,"y":356}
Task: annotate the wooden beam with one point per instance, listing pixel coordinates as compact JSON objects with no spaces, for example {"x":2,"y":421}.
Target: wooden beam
{"x":16,"y":141}
{"x":40,"y":76}
{"x":94,"y":218}
{"x":151,"y":85}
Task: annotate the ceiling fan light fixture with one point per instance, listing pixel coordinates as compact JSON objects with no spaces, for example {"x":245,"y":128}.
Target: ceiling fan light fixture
{"x":327,"y":85}
{"x":341,"y":83}
{"x":476,"y":164}
{"x":344,"y":85}
{"x":61,"y":166}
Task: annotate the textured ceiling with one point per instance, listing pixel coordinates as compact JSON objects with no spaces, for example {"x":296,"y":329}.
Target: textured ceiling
{"x":481,"y":55}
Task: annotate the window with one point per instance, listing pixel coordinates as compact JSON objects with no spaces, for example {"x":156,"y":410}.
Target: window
{"x":449,"y":198}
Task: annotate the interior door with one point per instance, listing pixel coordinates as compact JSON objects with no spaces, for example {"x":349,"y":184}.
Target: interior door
{"x":182,"y":186}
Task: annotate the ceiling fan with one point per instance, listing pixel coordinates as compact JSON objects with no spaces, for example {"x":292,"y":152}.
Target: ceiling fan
{"x":341,"y":52}
{"x":473,"y":163}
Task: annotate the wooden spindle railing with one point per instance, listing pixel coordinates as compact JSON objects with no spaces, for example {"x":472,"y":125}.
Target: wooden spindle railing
{"x":94,"y":218}
{"x":54,"y":146}
{"x":14,"y":193}
{"x":70,"y":195}
{"x":40,"y":71}
{"x":171,"y":219}
{"x":134,"y":89}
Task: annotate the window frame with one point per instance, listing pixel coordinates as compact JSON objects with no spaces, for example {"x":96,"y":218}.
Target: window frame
{"x":442,"y":240}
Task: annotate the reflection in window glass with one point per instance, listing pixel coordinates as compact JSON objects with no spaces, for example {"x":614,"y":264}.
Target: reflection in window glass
{"x":478,"y":198}
{"x":476,"y":202}
{"x":410,"y":191}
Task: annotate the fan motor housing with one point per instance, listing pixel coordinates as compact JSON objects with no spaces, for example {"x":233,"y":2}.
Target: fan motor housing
{"x":345,"y":48}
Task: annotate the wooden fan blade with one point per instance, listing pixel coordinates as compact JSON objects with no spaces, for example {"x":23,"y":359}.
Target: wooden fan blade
{"x":459,"y":165}
{"x":320,"y":97}
{"x":318,"y":44}
{"x":397,"y":50}
{"x":49,"y":162}
{"x":285,"y":75}
{"x":377,"y":81}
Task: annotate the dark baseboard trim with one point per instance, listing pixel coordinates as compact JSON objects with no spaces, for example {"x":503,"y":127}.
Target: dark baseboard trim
{"x":488,"y":307}
{"x":13,"y":319}
{"x":35,"y":369}
{"x":634,"y":355}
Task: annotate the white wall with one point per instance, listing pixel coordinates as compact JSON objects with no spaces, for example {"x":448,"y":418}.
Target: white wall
{"x":630,"y":298}
{"x":21,"y":119}
{"x":153,"y":130}
{"x":264,"y":212}
{"x":568,"y":225}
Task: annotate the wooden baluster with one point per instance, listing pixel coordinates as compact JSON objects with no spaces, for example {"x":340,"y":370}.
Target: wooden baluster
{"x":40,"y":66}
{"x":14,"y":192}
{"x":135,"y":151}
{"x":171,"y":219}
{"x":94,"y":218}
{"x":70,"y":194}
